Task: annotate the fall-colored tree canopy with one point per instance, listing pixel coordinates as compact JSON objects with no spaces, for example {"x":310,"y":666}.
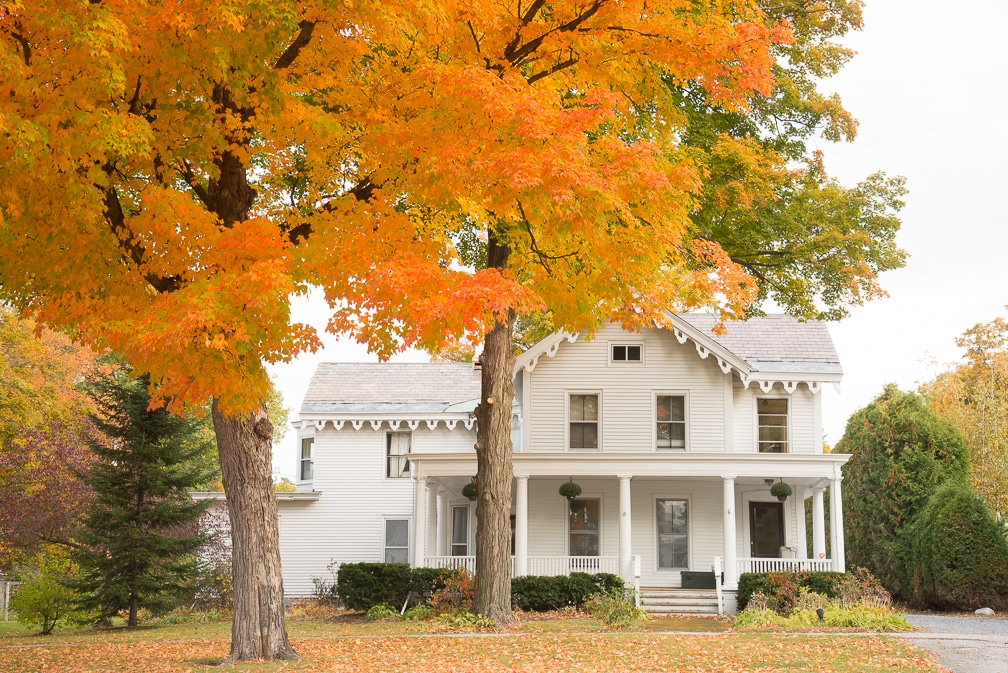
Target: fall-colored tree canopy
{"x":973,"y":394}
{"x":172,"y":172}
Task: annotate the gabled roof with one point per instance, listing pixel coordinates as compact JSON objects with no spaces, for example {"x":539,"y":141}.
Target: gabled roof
{"x":399,"y":387}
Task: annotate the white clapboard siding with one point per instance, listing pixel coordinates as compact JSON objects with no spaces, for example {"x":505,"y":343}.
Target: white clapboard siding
{"x":627,"y":391}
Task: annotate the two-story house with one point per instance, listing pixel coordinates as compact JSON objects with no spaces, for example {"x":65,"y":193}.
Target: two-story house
{"x":674,"y":435}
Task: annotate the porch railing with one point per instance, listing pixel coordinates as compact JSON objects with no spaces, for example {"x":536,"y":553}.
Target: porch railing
{"x":774,"y":565}
{"x":537,"y":565}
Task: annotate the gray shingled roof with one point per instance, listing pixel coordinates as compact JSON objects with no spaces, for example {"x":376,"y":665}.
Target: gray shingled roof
{"x":774,"y":342}
{"x":396,"y":387}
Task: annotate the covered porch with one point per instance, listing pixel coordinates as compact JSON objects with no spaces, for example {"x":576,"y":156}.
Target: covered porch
{"x":730,"y":518}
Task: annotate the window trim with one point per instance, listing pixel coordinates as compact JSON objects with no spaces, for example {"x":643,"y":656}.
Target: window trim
{"x":613,"y":345}
{"x":451,"y":537}
{"x":601,"y":523}
{"x":567,"y":420}
{"x":788,"y":428}
{"x":388,"y":455}
{"x":689,"y":532}
{"x":409,"y":537}
{"x":311,"y":460}
{"x":654,"y":420}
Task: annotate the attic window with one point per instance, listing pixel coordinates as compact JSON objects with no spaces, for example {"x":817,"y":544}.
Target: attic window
{"x":627,"y":352}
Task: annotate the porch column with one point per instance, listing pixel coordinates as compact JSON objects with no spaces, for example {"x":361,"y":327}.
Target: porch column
{"x":625,"y":567}
{"x":419,"y":521}
{"x":836,"y":525}
{"x":801,"y":540}
{"x":730,"y":549}
{"x":432,"y":519}
{"x":818,"y":524}
{"x":521,"y":527}
{"x":443,"y":515}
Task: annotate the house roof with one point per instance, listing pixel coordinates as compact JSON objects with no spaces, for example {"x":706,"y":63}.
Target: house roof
{"x":774,"y":343}
{"x":399,"y":387}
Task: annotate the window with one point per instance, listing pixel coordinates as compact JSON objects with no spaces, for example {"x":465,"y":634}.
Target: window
{"x":670,"y":412}
{"x":396,"y":540}
{"x":584,"y":527}
{"x":584,"y":421}
{"x":672,"y":526}
{"x":306,"y":458}
{"x":626,"y":353}
{"x":772,"y":419}
{"x":460,"y":531}
{"x":397,"y":445}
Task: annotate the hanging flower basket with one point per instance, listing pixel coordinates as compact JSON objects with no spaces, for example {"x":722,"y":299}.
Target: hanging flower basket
{"x":469,"y":490}
{"x":781,"y":491}
{"x":570,"y":490}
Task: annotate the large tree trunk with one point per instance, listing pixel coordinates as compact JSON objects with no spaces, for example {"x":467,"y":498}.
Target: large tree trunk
{"x":493,"y":465}
{"x":245,"y":447}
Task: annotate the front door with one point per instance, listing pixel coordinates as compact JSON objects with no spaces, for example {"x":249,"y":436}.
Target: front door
{"x":766,"y":529}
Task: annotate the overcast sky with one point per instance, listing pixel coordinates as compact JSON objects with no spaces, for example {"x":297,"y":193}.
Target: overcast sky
{"x":930,"y":88}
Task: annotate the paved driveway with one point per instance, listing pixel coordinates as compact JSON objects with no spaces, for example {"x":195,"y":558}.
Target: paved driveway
{"x":963,"y":643}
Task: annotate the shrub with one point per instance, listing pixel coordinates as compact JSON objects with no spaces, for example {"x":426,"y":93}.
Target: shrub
{"x":419,"y":613}
{"x":380,"y":612}
{"x":781,"y":589}
{"x":456,"y":592}
{"x":364,"y":585}
{"x":539,"y":594}
{"x":43,"y":601}
{"x":958,"y":552}
{"x":615,"y":608}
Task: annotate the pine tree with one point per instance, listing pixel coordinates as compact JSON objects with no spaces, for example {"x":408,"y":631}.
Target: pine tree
{"x":138,"y":549}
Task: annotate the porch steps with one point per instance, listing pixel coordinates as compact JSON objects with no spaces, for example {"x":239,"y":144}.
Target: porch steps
{"x":660,"y":601}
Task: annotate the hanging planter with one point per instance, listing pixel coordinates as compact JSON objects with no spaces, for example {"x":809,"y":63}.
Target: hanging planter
{"x":781,"y":491}
{"x":570,"y":490}
{"x":469,"y":490}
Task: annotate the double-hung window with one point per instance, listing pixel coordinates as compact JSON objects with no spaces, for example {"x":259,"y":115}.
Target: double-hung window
{"x":397,"y":446}
{"x":307,"y":465}
{"x":396,"y":540}
{"x":772,"y":422}
{"x":584,"y":421}
{"x":670,"y":415}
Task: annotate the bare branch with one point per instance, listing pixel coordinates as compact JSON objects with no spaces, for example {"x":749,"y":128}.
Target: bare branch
{"x":294,"y":49}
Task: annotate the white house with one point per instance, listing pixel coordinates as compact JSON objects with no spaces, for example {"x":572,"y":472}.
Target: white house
{"x":675,"y":436}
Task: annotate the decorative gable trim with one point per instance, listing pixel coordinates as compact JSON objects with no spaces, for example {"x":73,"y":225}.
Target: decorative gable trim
{"x":548,"y":347}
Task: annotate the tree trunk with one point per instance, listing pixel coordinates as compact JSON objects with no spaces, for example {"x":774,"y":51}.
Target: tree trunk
{"x":245,"y":447}
{"x":493,"y":465}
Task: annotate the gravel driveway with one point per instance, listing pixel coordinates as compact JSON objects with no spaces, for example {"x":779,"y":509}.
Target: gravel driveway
{"x":963,"y":643}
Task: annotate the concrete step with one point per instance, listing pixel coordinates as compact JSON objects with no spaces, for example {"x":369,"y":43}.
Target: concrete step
{"x":665,"y":601}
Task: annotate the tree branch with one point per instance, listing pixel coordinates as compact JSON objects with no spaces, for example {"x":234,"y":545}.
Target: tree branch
{"x":295,"y":48}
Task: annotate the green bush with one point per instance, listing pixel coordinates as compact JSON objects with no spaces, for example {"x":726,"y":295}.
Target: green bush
{"x":539,"y":594}
{"x":781,"y":589}
{"x":361,"y":586}
{"x":381,"y":612}
{"x":615,"y":608}
{"x":958,"y":552}
{"x":43,"y":601}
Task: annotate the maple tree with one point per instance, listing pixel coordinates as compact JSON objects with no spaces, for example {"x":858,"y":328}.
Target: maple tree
{"x":974,"y":395}
{"x":172,"y":173}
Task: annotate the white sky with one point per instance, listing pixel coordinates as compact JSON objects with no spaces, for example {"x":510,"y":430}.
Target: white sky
{"x":930,"y":88}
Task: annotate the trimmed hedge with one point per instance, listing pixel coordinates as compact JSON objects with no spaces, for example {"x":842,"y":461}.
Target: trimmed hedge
{"x":538,"y":594}
{"x":361,"y":586}
{"x":771,"y":584}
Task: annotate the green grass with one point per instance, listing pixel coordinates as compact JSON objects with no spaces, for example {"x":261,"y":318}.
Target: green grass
{"x":352,"y":645}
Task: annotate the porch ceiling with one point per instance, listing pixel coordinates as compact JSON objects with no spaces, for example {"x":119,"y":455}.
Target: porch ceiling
{"x":809,"y":469}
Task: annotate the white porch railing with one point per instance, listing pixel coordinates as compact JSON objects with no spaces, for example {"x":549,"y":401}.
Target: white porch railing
{"x":774,"y":565}
{"x":537,"y":565}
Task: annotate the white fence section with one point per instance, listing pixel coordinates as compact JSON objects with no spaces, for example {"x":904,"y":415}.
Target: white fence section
{"x":537,"y":565}
{"x":775,"y":565}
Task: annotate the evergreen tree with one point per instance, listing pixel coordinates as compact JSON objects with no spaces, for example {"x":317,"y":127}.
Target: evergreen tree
{"x":140,"y":538}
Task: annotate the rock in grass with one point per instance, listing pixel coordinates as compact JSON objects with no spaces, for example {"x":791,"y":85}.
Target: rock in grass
{"x":983,"y":611}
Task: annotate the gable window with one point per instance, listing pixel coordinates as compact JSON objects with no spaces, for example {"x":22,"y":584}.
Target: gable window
{"x":396,"y":540}
{"x":584,"y":430}
{"x":672,"y":527}
{"x":627,"y":353}
{"x":772,"y":422}
{"x":306,"y":468}
{"x":583,"y":527}
{"x":397,"y":445}
{"x":460,"y":531}
{"x":670,"y":414}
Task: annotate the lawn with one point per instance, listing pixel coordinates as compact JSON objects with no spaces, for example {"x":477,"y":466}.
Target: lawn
{"x":539,"y":646}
